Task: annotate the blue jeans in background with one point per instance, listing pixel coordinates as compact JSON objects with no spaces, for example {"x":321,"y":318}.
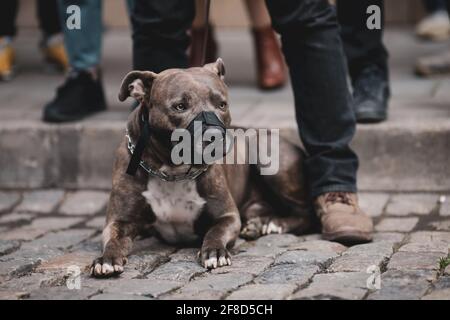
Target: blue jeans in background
{"x":84,"y":46}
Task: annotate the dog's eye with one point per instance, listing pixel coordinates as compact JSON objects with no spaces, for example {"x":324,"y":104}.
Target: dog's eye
{"x":180,"y":107}
{"x":223,"y":105}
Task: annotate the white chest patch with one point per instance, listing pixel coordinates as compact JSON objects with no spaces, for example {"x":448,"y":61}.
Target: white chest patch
{"x":177,"y":206}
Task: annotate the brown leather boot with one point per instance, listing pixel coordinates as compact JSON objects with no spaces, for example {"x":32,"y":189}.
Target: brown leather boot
{"x":271,"y":71}
{"x":342,"y":218}
{"x":195,"y":51}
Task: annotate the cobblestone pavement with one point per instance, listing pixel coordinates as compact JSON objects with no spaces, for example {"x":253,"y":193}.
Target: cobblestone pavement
{"x":45,"y":234}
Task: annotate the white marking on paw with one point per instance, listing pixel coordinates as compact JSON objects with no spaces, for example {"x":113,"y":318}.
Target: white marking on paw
{"x":211,"y":263}
{"x":222,"y":261}
{"x":272,"y":228}
{"x":107,"y":268}
{"x":118,"y":268}
{"x":98,"y":269}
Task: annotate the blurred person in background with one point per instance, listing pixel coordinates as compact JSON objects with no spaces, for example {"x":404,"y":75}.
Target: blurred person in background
{"x":438,"y":64}
{"x":51,"y":43}
{"x":367,"y":60}
{"x":271,"y":71}
{"x":435,"y":25}
{"x":82,"y":93}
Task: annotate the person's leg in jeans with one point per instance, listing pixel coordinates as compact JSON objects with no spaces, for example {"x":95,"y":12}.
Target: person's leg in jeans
{"x":160,"y":38}
{"x":82,"y":93}
{"x":313,"y":50}
{"x":367,"y":59}
{"x":8,"y":14}
{"x":52,"y":44}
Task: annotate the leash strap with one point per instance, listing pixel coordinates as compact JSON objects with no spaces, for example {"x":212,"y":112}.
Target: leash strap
{"x":206,"y":26}
{"x":140,"y":145}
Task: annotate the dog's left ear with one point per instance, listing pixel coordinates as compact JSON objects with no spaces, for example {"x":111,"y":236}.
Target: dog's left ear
{"x":137,"y":84}
{"x":217,"y":67}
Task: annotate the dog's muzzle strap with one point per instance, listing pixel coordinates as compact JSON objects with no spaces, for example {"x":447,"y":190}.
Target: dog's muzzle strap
{"x":140,"y":146}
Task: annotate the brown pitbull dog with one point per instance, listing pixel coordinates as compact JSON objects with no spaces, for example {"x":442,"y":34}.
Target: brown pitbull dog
{"x":209,"y":208}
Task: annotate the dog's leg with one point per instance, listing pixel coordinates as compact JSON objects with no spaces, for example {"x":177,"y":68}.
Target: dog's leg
{"x":224,"y":215}
{"x":127,"y":215}
{"x":221,"y":237}
{"x":117,"y":243}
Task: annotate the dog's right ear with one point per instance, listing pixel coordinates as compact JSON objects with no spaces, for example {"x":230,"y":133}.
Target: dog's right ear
{"x":137,"y":84}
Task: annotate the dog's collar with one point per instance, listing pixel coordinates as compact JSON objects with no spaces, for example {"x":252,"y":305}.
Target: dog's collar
{"x":189,"y":175}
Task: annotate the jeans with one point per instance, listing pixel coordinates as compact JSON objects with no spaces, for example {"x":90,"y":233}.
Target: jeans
{"x":47,"y":12}
{"x":434,"y":5}
{"x":363,"y":47}
{"x":312,"y":46}
{"x":84,"y":45}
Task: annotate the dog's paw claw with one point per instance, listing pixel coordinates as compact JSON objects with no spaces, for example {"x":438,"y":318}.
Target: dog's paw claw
{"x":271,"y":228}
{"x":252,"y":229}
{"x":257,"y":227}
{"x":214,"y":258}
{"x":102,"y":269}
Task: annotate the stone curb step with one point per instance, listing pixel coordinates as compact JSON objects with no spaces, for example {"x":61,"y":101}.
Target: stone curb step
{"x":35,"y":155}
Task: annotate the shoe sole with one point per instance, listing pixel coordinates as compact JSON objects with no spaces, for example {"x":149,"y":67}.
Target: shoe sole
{"x":71,"y":119}
{"x":348,"y":237}
{"x":370,"y":117}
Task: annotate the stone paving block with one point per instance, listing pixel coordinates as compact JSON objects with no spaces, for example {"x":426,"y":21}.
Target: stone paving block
{"x":16,"y":217}
{"x":8,"y":246}
{"x":407,"y":204}
{"x":318,"y":246}
{"x":360,"y":257}
{"x":416,"y":247}
{"x":61,"y":239}
{"x":443,"y":225}
{"x":402,"y":285}
{"x":397,"y":224}
{"x":118,"y":296}
{"x":216,"y":282}
{"x":152,"y":246}
{"x":445,"y":207}
{"x":61,"y":263}
{"x":141,"y":264}
{"x":245,"y":264}
{"x":13,"y":295}
{"x":25,"y":284}
{"x":342,"y":285}
{"x":40,"y":201}
{"x":373,"y":203}
{"x":24,"y":260}
{"x":414,"y":261}
{"x":447,"y":271}
{"x":184,"y":254}
{"x":440,"y":290}
{"x":177,"y":271}
{"x":195,"y":295}
{"x":39,"y":227}
{"x":8,"y":200}
{"x":388,"y":236}
{"x":143,"y":287}
{"x":61,"y":293}
{"x":269,"y":246}
{"x":287,"y":274}
{"x":304,"y":257}
{"x":430,"y":236}
{"x":262,"y":292}
{"x":97,"y":223}
{"x":84,"y":203}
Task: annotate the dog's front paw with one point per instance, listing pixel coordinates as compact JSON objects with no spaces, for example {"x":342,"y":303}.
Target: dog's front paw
{"x":107,"y":267}
{"x":211,"y":257}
